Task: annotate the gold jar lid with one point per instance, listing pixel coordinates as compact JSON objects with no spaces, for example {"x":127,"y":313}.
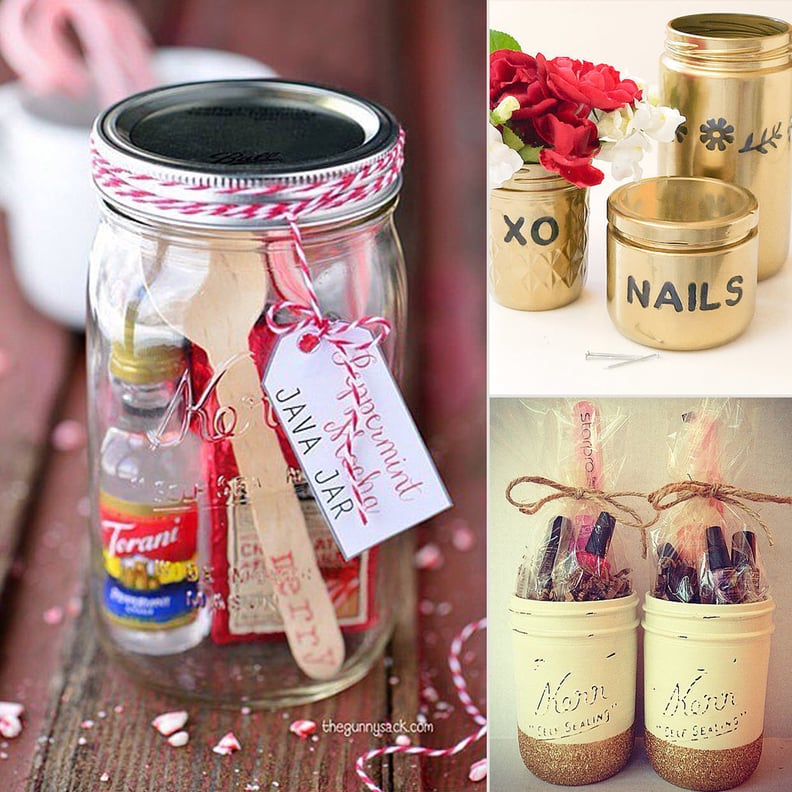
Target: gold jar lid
{"x":681,"y":212}
{"x":744,"y":40}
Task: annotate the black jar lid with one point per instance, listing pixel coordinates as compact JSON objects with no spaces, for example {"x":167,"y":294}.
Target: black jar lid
{"x":246,"y":135}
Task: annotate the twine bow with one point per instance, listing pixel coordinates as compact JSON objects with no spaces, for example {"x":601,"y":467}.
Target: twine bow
{"x":682,"y":491}
{"x":608,"y":501}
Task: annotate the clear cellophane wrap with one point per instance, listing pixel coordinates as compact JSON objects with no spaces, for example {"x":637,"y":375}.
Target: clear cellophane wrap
{"x":702,"y":549}
{"x":573,"y":549}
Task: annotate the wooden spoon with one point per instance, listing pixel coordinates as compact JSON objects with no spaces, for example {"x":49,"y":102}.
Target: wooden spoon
{"x":219,"y":318}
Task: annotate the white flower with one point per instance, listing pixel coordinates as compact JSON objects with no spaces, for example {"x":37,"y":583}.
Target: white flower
{"x":502,"y":162}
{"x":658,"y":122}
{"x":503,"y":112}
{"x":625,"y":155}
{"x":628,"y":132}
{"x":614,"y":125}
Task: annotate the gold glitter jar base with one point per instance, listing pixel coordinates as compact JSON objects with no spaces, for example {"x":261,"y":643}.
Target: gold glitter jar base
{"x":704,"y":771}
{"x":572,"y":764}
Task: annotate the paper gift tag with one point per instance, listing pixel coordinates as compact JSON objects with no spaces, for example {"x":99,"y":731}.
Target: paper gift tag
{"x":311,"y":394}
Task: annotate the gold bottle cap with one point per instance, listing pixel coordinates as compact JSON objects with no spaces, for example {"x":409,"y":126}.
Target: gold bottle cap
{"x":147,"y":364}
{"x":683,"y":212}
{"x":142,"y":364}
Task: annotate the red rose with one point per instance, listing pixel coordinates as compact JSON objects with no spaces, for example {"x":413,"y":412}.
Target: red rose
{"x":515,"y":74}
{"x":573,"y":143}
{"x":556,"y":97}
{"x":511,"y":74}
{"x":600,"y":87}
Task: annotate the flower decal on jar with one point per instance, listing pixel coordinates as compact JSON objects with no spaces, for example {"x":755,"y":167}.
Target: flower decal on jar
{"x":716,"y":134}
{"x":681,"y":132}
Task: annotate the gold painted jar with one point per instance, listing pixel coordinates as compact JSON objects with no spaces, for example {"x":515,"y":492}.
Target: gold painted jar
{"x":730,"y":75}
{"x":538,"y":240}
{"x":575,"y":666}
{"x":705,"y":680}
{"x":682,"y":261}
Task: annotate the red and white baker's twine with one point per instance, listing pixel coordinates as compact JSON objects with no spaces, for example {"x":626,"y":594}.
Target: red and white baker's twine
{"x":309,"y":318}
{"x":268,"y":202}
{"x":461,"y":687}
{"x":286,"y":202}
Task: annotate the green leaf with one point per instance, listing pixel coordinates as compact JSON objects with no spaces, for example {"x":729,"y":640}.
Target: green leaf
{"x":529,"y":154}
{"x":511,"y":140}
{"x":499,"y":41}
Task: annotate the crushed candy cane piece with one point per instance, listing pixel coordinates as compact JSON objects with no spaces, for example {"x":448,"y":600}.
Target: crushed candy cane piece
{"x":429,"y":557}
{"x":179,"y":740}
{"x":227,"y":745}
{"x":13,"y":708}
{"x":68,"y":435}
{"x":118,"y":709}
{"x":53,"y":616}
{"x":463,"y":538}
{"x":426,"y":607}
{"x":10,"y":726}
{"x":478,"y":770}
{"x":252,"y":787}
{"x":87,"y":724}
{"x":169,"y":722}
{"x":403,"y":740}
{"x":303,"y":728}
{"x":82,"y":741}
{"x":246,"y":710}
{"x":105,"y":777}
{"x":430,"y":694}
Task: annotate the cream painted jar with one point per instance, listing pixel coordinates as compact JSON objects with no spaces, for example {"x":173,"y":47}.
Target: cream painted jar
{"x":705,"y":679}
{"x":575,"y":666}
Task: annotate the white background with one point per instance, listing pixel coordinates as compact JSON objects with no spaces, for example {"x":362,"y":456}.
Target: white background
{"x":541,"y":352}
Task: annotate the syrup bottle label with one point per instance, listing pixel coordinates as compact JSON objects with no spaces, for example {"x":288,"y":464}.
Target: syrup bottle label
{"x":150,"y":563}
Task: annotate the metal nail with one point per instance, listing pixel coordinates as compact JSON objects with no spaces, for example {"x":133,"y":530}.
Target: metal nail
{"x":610,"y":356}
{"x":637,"y":359}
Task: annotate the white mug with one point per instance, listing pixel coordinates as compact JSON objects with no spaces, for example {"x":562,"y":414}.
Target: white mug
{"x":45,"y":182}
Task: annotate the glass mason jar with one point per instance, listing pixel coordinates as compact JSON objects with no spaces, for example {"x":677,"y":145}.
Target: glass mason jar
{"x":181,"y":594}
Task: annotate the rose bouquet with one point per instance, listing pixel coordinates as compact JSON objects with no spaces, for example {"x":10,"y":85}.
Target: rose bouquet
{"x":562,"y":113}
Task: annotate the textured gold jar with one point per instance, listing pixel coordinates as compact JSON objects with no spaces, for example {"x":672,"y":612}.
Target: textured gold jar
{"x":730,"y":75}
{"x":538,"y":240}
{"x":682,"y":260}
